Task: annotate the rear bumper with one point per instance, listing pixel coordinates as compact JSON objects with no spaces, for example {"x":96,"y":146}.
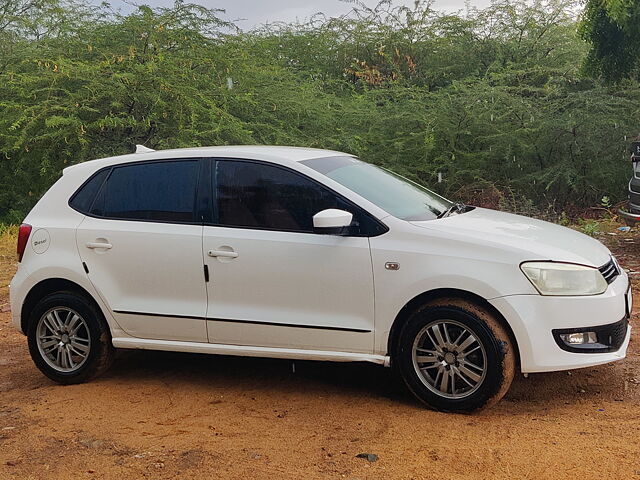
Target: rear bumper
{"x":534,"y":318}
{"x":17,"y":295}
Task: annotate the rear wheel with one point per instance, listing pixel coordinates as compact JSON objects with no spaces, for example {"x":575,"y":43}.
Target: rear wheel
{"x":69,"y":339}
{"x":455,"y":356}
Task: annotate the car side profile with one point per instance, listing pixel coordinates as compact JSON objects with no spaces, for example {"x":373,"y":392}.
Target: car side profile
{"x":307,"y":254}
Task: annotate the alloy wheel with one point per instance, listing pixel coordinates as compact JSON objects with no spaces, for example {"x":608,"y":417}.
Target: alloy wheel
{"x":449,"y":359}
{"x":63,"y":339}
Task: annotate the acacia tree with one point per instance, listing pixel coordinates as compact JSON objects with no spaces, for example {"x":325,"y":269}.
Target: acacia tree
{"x":491,"y":98}
{"x":612,"y":29}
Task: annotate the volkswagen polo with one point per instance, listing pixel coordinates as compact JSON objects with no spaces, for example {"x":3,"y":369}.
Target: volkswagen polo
{"x":307,"y":254}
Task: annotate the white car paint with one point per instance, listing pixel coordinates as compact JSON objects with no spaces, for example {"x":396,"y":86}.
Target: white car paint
{"x":292,"y":279}
{"x":263,"y":279}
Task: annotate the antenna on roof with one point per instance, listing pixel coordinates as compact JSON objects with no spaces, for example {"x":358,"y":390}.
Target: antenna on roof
{"x":143,"y":149}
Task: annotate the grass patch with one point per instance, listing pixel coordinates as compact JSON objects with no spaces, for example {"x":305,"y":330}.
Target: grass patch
{"x":8,"y":238}
{"x":8,"y":259}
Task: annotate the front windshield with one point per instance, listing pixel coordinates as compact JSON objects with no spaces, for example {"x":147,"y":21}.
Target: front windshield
{"x":393,"y":193}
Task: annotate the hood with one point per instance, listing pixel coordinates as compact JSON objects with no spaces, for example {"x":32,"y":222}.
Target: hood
{"x":532,"y":239}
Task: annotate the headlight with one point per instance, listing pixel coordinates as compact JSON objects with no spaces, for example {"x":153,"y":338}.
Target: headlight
{"x":552,"y":278}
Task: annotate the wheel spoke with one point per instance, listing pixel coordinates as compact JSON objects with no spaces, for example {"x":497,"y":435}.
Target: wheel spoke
{"x":77,"y":351}
{"x":70,"y":362}
{"x":74,"y":324}
{"x":49,"y":322}
{"x":426,"y":359}
{"x":433,"y":342}
{"x":59,"y":356}
{"x":77,"y":338}
{"x":67,"y":319}
{"x":446,"y":334}
{"x":438,"y":334}
{"x":465,"y":354}
{"x":468,"y":342}
{"x":426,"y":350}
{"x":79,"y":346}
{"x":430,"y":367}
{"x":59,"y":323}
{"x":473,"y":365}
{"x":453,"y":381}
{"x":462,"y":332}
{"x":463,"y":378}
{"x":49,"y":343}
{"x":469,"y":373}
{"x":444,"y":382}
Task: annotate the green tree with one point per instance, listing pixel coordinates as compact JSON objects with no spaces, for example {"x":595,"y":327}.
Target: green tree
{"x":612,"y":29}
{"x":491,"y":98}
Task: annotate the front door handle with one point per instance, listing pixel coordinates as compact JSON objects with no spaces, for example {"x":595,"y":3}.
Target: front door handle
{"x":222,"y":253}
{"x":93,"y":245}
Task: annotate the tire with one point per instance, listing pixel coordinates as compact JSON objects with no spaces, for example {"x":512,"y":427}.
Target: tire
{"x":479,"y":367}
{"x":87,"y":350}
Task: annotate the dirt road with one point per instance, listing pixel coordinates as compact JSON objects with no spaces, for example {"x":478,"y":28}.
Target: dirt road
{"x":162,"y":415}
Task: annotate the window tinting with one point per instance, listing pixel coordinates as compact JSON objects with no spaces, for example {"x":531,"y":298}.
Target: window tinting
{"x":83,"y":198}
{"x":159,"y":191}
{"x":262,"y":196}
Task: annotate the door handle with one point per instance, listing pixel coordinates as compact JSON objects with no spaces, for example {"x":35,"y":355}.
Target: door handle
{"x":93,"y":245}
{"x":222,"y":253}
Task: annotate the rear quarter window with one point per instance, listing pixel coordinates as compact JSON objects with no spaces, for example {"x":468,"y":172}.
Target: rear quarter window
{"x":83,"y":198}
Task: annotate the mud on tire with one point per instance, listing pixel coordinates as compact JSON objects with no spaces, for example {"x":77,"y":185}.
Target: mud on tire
{"x":100,"y":349}
{"x":479,"y":368}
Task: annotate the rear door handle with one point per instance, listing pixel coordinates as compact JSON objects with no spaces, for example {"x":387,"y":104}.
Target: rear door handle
{"x":93,"y":245}
{"x":222,"y":253}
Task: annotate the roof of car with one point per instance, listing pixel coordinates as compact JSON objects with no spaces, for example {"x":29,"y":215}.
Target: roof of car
{"x":273,"y":154}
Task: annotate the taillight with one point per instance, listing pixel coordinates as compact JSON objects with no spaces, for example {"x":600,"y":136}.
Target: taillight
{"x":23,"y":236}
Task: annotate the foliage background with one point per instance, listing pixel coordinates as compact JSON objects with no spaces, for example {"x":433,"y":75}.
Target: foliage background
{"x":509,"y":103}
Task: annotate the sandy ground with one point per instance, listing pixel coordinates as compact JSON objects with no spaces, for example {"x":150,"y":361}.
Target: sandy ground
{"x":164,"y":415}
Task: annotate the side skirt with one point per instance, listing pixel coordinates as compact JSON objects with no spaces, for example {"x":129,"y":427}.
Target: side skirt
{"x":248,"y":351}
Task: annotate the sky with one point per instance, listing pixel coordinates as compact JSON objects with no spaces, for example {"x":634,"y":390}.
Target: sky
{"x":251,"y":13}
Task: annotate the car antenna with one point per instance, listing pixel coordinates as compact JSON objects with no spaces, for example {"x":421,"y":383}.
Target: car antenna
{"x":143,"y":149}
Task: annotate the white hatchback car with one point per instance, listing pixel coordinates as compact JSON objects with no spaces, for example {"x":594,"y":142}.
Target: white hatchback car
{"x":307,"y":254}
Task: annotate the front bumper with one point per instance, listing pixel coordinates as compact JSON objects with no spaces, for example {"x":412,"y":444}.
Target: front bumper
{"x":533,"y":319}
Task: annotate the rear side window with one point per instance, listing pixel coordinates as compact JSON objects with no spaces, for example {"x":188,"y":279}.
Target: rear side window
{"x":159,"y":191}
{"x":83,"y":198}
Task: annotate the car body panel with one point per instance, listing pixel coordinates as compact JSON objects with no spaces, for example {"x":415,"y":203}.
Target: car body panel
{"x":152,"y":278}
{"x":315,"y":290}
{"x":528,"y":238}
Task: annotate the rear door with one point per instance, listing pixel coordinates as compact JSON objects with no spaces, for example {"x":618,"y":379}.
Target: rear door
{"x":141,"y":242}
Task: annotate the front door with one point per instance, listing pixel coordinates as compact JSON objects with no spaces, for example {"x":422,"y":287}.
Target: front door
{"x":273,"y":281}
{"x":142,"y":246}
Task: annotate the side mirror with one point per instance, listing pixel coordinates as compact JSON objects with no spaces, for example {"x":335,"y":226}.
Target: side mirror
{"x":332,"y":221}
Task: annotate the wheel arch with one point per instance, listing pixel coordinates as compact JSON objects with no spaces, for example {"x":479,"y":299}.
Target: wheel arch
{"x":46,"y":287}
{"x":430,"y":295}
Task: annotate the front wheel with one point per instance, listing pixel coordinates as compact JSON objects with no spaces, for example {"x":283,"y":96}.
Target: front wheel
{"x":69,"y":339}
{"x":455,"y":356}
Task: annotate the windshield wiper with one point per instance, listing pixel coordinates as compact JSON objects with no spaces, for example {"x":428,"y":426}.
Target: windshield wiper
{"x":456,"y":207}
